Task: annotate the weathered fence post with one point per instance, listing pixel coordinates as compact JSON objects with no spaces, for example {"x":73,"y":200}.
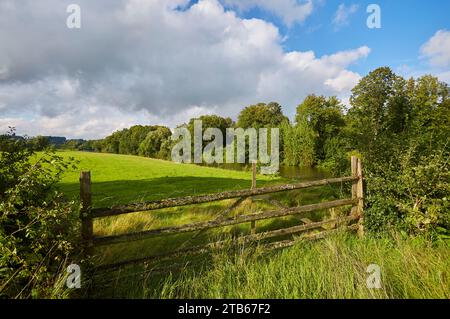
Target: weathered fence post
{"x":354,"y":165}
{"x":253,"y":223}
{"x":358,"y":192}
{"x":87,"y":225}
{"x":253,"y":175}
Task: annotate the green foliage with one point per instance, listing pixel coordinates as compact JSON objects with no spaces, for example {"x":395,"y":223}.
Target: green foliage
{"x":111,"y":143}
{"x":90,"y":146}
{"x":210,"y":121}
{"x":401,"y":128}
{"x":261,"y":115}
{"x":39,"y":143}
{"x":299,"y":141}
{"x":215,"y":121}
{"x":370,"y":119}
{"x":338,"y":152}
{"x":427,"y":188}
{"x":325,"y":117}
{"x":37,"y":226}
{"x":137,"y":140}
{"x":151,"y":145}
{"x":131,"y":138}
{"x":165,"y":151}
{"x":413,"y":197}
{"x":76,"y":144}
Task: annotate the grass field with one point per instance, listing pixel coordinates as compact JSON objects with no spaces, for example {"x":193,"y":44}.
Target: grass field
{"x":332,"y":268}
{"x":119,"y":179}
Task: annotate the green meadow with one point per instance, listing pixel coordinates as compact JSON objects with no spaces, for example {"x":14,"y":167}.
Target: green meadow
{"x":330,"y":268}
{"x":121,"y":179}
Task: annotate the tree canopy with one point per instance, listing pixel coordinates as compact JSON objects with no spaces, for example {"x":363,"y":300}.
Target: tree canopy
{"x":261,"y":115}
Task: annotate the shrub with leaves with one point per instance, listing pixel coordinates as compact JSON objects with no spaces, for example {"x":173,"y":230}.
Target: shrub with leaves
{"x":38,"y":227}
{"x":427,"y":188}
{"x":414,"y":196}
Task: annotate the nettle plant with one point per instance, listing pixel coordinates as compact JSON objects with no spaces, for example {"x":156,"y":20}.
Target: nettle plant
{"x":38,"y":226}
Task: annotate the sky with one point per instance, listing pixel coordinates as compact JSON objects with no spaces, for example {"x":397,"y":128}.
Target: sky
{"x":163,"y":62}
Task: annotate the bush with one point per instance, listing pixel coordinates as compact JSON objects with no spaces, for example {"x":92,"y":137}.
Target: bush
{"x":38,"y":227}
{"x":413,"y":195}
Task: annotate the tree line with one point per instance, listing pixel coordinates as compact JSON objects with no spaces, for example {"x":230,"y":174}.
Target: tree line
{"x":384,"y":106}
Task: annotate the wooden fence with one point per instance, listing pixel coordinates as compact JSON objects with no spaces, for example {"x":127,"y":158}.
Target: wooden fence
{"x":356,"y":201}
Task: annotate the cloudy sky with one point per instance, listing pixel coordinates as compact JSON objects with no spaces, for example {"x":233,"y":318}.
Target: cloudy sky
{"x":165,"y":61}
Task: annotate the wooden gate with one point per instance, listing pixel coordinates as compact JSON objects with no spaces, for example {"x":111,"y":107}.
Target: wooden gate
{"x":356,"y":201}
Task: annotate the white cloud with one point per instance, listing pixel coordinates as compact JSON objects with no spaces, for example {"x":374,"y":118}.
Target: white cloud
{"x":147,"y":62}
{"x":290,"y":11}
{"x":408,"y":71}
{"x":342,"y":15}
{"x":84,"y":122}
{"x":345,"y":58}
{"x":345,"y":81}
{"x":437,"y":49}
{"x":436,"y":53}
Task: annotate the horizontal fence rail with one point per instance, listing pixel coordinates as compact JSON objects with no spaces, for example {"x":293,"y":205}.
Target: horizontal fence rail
{"x":356,"y":202}
{"x":200,"y":249}
{"x":221,"y":223}
{"x":190,"y":200}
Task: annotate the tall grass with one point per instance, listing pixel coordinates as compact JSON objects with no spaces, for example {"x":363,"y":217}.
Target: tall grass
{"x":332,"y":268}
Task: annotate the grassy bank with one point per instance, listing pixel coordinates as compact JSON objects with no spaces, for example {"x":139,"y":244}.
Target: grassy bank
{"x":331,"y":268}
